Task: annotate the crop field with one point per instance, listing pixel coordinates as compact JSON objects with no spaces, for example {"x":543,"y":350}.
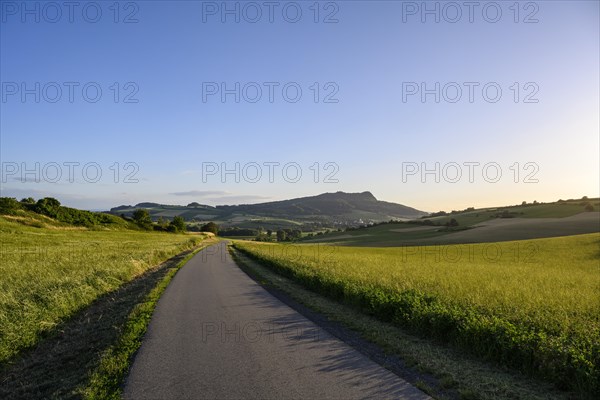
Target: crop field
{"x":531,"y":305}
{"x":48,"y":274}
{"x":474,"y":227}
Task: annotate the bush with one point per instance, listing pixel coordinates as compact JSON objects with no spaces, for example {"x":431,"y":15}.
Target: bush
{"x":9,"y":205}
{"x":52,"y":208}
{"x":171,"y":228}
{"x":48,"y":206}
{"x":452,"y":223}
{"x":142,"y":218}
{"x":210,"y":227}
{"x":281,"y":235}
{"x":177,"y":225}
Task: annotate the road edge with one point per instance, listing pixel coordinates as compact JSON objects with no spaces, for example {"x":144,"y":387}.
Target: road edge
{"x":421,"y":380}
{"x":106,"y":381}
{"x":436,"y":370}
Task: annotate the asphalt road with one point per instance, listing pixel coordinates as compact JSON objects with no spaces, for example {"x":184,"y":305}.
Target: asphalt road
{"x":216,"y":334}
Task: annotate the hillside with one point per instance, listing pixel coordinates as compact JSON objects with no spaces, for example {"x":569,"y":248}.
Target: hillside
{"x":48,"y":212}
{"x":518,"y":222}
{"x":327,"y":209}
{"x":337,"y":205}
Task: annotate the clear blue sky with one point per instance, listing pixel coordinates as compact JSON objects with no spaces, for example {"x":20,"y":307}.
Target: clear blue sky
{"x":370,"y":56}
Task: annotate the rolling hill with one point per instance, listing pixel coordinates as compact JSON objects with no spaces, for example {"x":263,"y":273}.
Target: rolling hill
{"x":517,"y":222}
{"x":327,"y":209}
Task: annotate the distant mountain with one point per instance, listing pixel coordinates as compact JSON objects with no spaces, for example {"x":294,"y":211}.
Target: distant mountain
{"x":336,"y":205}
{"x":338,"y":208}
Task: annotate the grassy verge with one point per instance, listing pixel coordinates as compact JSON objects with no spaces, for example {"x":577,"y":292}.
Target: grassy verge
{"x":536,"y":317}
{"x":77,"y":343}
{"x":106,"y":381}
{"x":49,"y":274}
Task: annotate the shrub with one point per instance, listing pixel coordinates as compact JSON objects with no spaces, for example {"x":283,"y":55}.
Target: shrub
{"x":142,"y":218}
{"x":48,"y":206}
{"x":210,"y":227}
{"x":178,"y":224}
{"x":9,"y":205}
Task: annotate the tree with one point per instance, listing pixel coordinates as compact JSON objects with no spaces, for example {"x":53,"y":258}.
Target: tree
{"x":210,"y":227}
{"x":28,"y":200}
{"x":9,"y":205}
{"x":269,"y":232}
{"x":161,"y":224}
{"x":293,"y":234}
{"x":262,"y":237}
{"x":589,"y":207}
{"x":452,"y":222}
{"x":142,"y":218}
{"x":281,"y":235}
{"x":48,"y":206}
{"x":438,"y":214}
{"x":178,"y":224}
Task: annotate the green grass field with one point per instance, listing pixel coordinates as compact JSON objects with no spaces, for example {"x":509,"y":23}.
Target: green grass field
{"x":49,"y":273}
{"x":530,"y":305}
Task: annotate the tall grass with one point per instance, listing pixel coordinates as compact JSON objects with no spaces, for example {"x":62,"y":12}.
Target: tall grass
{"x":532,"y":305}
{"x":106,"y":381}
{"x":46,"y":275}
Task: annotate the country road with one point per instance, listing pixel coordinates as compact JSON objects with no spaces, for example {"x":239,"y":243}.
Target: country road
{"x":216,"y":334}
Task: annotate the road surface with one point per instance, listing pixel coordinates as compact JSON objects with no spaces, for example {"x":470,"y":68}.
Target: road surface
{"x":216,"y":334}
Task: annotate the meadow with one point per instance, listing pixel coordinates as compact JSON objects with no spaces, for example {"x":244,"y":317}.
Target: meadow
{"x":529,"y":305}
{"x":49,"y":271}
